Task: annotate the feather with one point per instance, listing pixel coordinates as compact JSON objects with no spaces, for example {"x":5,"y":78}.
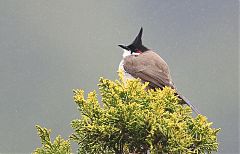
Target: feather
{"x":150,"y":67}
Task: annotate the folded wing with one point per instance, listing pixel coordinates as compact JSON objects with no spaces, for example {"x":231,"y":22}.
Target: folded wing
{"x":149,"y":67}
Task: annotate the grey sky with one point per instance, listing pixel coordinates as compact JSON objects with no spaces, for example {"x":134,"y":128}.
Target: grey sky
{"x":48,"y":48}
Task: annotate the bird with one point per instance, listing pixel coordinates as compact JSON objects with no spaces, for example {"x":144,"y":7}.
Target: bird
{"x":144,"y":63}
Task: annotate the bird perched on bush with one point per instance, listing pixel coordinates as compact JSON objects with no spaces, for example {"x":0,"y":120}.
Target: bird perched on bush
{"x":141,"y":62}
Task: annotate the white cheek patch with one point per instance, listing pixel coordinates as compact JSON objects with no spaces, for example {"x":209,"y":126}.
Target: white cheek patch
{"x":135,"y":53}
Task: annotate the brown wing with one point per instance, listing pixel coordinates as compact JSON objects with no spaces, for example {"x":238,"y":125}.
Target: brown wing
{"x":149,"y":67}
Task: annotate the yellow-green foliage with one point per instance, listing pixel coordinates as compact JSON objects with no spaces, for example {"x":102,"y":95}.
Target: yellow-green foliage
{"x":59,"y":145}
{"x":133,"y":119}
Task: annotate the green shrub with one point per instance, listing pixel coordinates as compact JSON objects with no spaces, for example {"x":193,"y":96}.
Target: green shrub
{"x":131,"y":119}
{"x":134,"y":120}
{"x":59,"y":145}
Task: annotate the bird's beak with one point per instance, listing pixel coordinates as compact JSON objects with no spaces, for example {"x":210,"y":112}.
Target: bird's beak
{"x":124,"y":47}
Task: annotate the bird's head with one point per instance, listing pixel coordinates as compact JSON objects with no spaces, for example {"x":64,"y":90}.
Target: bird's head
{"x":136,"y":46}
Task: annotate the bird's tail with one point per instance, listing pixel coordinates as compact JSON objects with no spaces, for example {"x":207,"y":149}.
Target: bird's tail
{"x":186,"y":101}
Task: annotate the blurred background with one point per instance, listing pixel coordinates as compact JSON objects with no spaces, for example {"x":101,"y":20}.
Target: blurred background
{"x":48,"y":48}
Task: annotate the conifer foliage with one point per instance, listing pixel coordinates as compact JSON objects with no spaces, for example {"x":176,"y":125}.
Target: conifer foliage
{"x":131,"y":119}
{"x":134,"y":120}
{"x":58,"y":146}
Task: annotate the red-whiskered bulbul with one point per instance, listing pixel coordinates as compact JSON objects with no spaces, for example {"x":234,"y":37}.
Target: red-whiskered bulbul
{"x":140,"y":62}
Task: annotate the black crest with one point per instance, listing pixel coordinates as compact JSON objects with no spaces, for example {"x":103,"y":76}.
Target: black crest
{"x":136,"y":45}
{"x":138,"y":40}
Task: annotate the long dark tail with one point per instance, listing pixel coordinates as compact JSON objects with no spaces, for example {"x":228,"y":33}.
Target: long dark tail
{"x":186,"y":101}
